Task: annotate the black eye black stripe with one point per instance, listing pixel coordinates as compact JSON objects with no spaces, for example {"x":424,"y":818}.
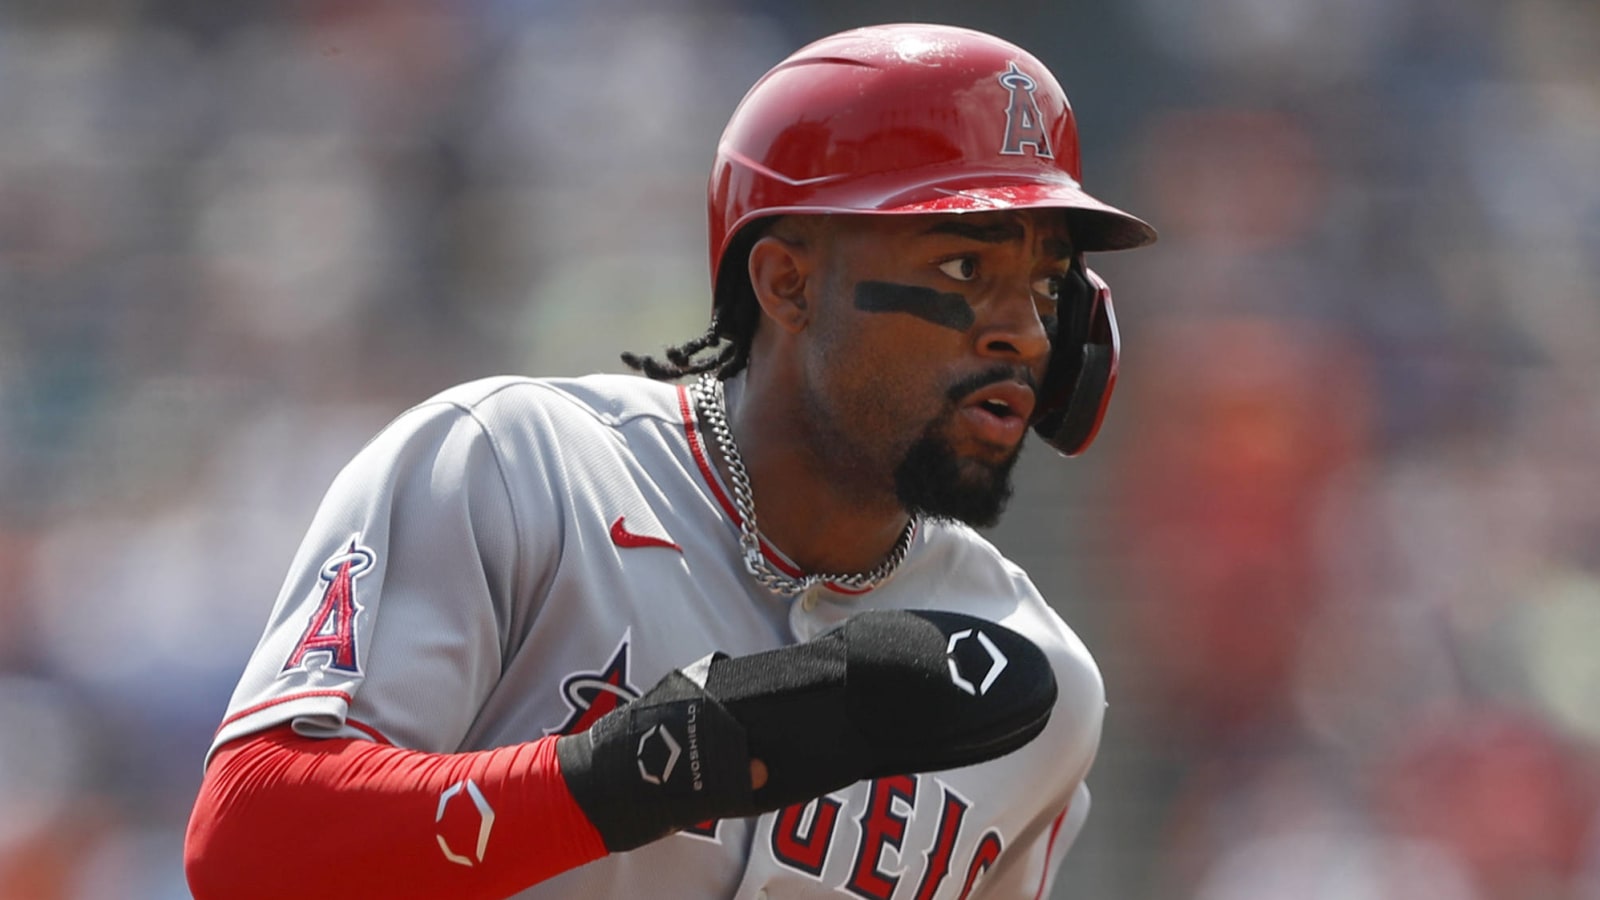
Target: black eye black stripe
{"x":938,"y":307}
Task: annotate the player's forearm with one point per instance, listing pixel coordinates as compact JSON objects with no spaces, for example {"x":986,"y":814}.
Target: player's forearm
{"x":281,"y":815}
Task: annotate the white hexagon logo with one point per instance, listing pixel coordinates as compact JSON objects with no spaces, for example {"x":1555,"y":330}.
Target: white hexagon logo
{"x":485,"y":822}
{"x":997,"y":662}
{"x":672,"y":754}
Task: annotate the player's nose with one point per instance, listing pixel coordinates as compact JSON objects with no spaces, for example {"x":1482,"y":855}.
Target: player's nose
{"x":1011,"y":329}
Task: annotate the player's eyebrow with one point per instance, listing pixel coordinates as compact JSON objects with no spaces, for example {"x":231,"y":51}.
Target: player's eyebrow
{"x":997,"y":232}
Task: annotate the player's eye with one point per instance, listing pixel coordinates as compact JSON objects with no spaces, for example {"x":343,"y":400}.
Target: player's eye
{"x":962,"y":268}
{"x":1051,"y":286}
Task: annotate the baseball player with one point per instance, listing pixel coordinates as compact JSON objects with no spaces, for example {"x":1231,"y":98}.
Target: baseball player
{"x":725,"y":630}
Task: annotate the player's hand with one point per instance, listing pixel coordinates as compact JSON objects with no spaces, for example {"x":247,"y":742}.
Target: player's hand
{"x":888,"y":692}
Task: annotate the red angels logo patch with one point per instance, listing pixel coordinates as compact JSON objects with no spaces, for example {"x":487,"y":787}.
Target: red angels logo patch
{"x":591,"y":695}
{"x":330,"y":635}
{"x":1024,"y":124}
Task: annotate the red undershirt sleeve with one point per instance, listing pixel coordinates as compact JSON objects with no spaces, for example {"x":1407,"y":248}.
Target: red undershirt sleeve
{"x":280,"y":815}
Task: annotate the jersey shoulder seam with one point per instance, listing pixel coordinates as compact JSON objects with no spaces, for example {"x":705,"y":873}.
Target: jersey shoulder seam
{"x":554,"y":390}
{"x":493,"y":440}
{"x":511,"y":496}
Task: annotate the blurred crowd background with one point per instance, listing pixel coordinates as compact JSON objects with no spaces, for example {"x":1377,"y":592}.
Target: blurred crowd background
{"x":1337,"y":549}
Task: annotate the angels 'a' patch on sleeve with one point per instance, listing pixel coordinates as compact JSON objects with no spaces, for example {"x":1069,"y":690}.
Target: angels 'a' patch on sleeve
{"x":329,"y":640}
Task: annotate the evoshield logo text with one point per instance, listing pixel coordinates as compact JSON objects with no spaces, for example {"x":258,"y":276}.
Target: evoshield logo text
{"x":694,"y":747}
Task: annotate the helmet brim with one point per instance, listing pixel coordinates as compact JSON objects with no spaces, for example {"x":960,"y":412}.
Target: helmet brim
{"x":1094,"y":224}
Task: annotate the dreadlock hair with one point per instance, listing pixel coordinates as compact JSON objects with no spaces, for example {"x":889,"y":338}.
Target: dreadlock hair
{"x":725,"y":345}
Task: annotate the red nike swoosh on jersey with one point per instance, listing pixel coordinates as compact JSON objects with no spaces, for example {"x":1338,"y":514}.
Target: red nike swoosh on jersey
{"x":622,"y":537}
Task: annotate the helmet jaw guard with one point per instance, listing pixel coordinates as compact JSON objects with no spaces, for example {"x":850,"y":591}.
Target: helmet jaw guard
{"x":909,"y":119}
{"x":1077,"y":386}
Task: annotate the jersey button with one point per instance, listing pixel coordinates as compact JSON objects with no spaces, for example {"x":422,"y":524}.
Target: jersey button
{"x":761,"y":894}
{"x":809,"y":601}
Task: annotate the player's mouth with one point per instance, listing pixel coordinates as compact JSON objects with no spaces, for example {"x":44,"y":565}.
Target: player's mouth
{"x":998,"y":414}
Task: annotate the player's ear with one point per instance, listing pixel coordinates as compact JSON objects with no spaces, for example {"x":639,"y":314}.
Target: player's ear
{"x":781,"y":265}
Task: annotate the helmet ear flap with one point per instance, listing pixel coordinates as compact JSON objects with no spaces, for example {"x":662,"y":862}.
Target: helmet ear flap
{"x":1083,"y":365}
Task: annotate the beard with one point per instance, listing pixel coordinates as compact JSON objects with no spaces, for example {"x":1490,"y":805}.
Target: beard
{"x":934,"y":482}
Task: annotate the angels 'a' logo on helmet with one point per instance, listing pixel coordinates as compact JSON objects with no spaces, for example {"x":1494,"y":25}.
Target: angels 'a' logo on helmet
{"x":1024,"y":124}
{"x":593,"y":694}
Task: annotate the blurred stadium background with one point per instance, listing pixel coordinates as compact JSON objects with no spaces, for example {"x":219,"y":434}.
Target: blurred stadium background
{"x":1337,"y":550}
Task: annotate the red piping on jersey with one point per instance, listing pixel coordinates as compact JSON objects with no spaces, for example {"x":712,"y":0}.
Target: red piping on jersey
{"x":699,"y":453}
{"x":251,"y":710}
{"x":1050,"y":848}
{"x":369,"y":731}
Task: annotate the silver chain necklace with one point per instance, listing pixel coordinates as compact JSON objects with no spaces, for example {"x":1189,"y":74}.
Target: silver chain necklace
{"x":713,"y":407}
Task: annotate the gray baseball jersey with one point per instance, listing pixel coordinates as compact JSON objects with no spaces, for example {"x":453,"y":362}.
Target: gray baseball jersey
{"x":517,"y":556}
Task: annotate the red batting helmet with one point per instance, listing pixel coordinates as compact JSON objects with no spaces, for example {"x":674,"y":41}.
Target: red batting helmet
{"x":897,"y":119}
